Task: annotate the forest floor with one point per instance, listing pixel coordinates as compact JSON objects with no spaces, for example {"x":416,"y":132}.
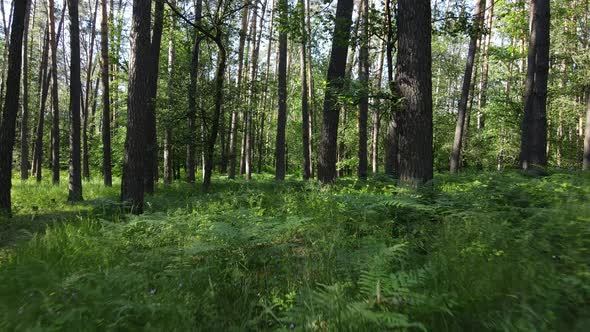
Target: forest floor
{"x":488,"y":251}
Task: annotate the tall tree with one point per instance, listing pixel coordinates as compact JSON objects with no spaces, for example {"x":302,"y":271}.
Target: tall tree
{"x":75,"y":185}
{"x":335,"y":75}
{"x":192,"y":101}
{"x":364,"y":97}
{"x":280,"y":146}
{"x":132,"y":188}
{"x":586,"y":162}
{"x":24,"y":125}
{"x":8,"y":124}
{"x":305,"y":118}
{"x":483,"y":85}
{"x":43,"y":91}
{"x":151,"y":145}
{"x":533,"y":142}
{"x":391,"y":140}
{"x":168,"y":146}
{"x":234,"y":116}
{"x":414,"y":87}
{"x":467,"y":77}
{"x":106,"y":99}
{"x":87,"y":99}
{"x":55,"y":158}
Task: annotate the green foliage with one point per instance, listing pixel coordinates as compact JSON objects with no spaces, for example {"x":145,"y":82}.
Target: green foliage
{"x":494,"y":252}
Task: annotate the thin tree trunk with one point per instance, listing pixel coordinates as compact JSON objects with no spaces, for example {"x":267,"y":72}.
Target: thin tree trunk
{"x":336,"y":71}
{"x":462,"y":110}
{"x":280,"y":146}
{"x":24,"y":128}
{"x":234,"y":116}
{"x":252,"y":94}
{"x":414,"y":84}
{"x":192,"y":102}
{"x":75,"y":185}
{"x":391,"y":137}
{"x":8,"y":124}
{"x":106,"y":99}
{"x":586,"y":162}
{"x":153,"y":65}
{"x":168,"y":146}
{"x":364,"y":99}
{"x":55,"y":139}
{"x":305,"y":123}
{"x":85,"y":111}
{"x":376,"y":116}
{"x":483,"y":87}
{"x":44,"y":90}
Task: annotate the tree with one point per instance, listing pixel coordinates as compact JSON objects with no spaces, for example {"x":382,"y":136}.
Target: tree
{"x":87,"y":99}
{"x":280,"y":147}
{"x":467,"y":77}
{"x":305,"y":118}
{"x":132,"y":187}
{"x":151,"y":146}
{"x":414,"y":88}
{"x":334,"y":80}
{"x":75,"y":185}
{"x":106,"y":99}
{"x":44,"y":90}
{"x":391,"y":139}
{"x":24,"y":126}
{"x":8,"y":124}
{"x":54,"y":94}
{"x":364,"y":98}
{"x":192,"y":102}
{"x":586,"y":163}
{"x":533,"y":142}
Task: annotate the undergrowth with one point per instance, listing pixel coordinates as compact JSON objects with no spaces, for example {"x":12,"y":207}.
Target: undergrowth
{"x":492,"y":251}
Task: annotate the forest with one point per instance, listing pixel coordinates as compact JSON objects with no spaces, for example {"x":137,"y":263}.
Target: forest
{"x":294,"y":165}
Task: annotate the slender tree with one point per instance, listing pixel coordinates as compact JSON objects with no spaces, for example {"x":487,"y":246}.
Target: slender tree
{"x":75,"y":185}
{"x":24,"y":125}
{"x":586,"y":162}
{"x":533,"y":146}
{"x":467,"y":77}
{"x":55,"y":155}
{"x":391,"y":139}
{"x":106,"y":99}
{"x":414,"y":87}
{"x":87,"y":99}
{"x":44,"y":90}
{"x":8,"y":124}
{"x":335,"y":75}
{"x":305,"y":118}
{"x":364,"y":97}
{"x":192,"y":101}
{"x":280,"y":145}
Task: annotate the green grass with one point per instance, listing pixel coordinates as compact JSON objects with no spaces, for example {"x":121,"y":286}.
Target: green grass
{"x":491,"y":251}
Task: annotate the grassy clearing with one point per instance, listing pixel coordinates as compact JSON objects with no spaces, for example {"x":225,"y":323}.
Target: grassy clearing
{"x":494,"y":251}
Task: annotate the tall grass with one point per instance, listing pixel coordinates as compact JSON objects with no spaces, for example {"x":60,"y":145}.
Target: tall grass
{"x":493,"y":251}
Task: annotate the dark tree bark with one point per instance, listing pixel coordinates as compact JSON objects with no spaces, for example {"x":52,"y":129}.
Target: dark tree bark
{"x":168,"y":145}
{"x":44,"y":90}
{"x":88,"y":89}
{"x":253,"y":95}
{"x":234,"y":116}
{"x":55,"y":139}
{"x":132,"y":188}
{"x":24,"y":125}
{"x":106,"y":99}
{"x":8,"y":124}
{"x":364,"y":98}
{"x":192,"y":102}
{"x":462,"y":110}
{"x":282,"y":93}
{"x":305,"y":118}
{"x":336,"y":71}
{"x":533,"y":149}
{"x":414,"y":86}
{"x":153,"y":65}
{"x":391,"y":136}
{"x":483,"y":86}
{"x":376,"y":115}
{"x":75,"y":185}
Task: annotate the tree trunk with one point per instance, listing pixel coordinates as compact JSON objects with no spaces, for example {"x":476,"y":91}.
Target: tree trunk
{"x":24,"y":128}
{"x":414,"y":84}
{"x":252,"y":94}
{"x":364,"y":98}
{"x":8,"y":124}
{"x":336,"y":71}
{"x":391,"y":137}
{"x":533,"y":150}
{"x":167,"y":155}
{"x":483,"y":87}
{"x":106,"y":99}
{"x":455,"y":161}
{"x":282,"y":93}
{"x":88,"y":89}
{"x":44,"y":90}
{"x":75,"y":185}
{"x":376,"y":115}
{"x":219,"y":81}
{"x":234,"y":116}
{"x":168,"y":145}
{"x":192,"y":102}
{"x":55,"y":157}
{"x":132,"y":188}
{"x":305,"y":118}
